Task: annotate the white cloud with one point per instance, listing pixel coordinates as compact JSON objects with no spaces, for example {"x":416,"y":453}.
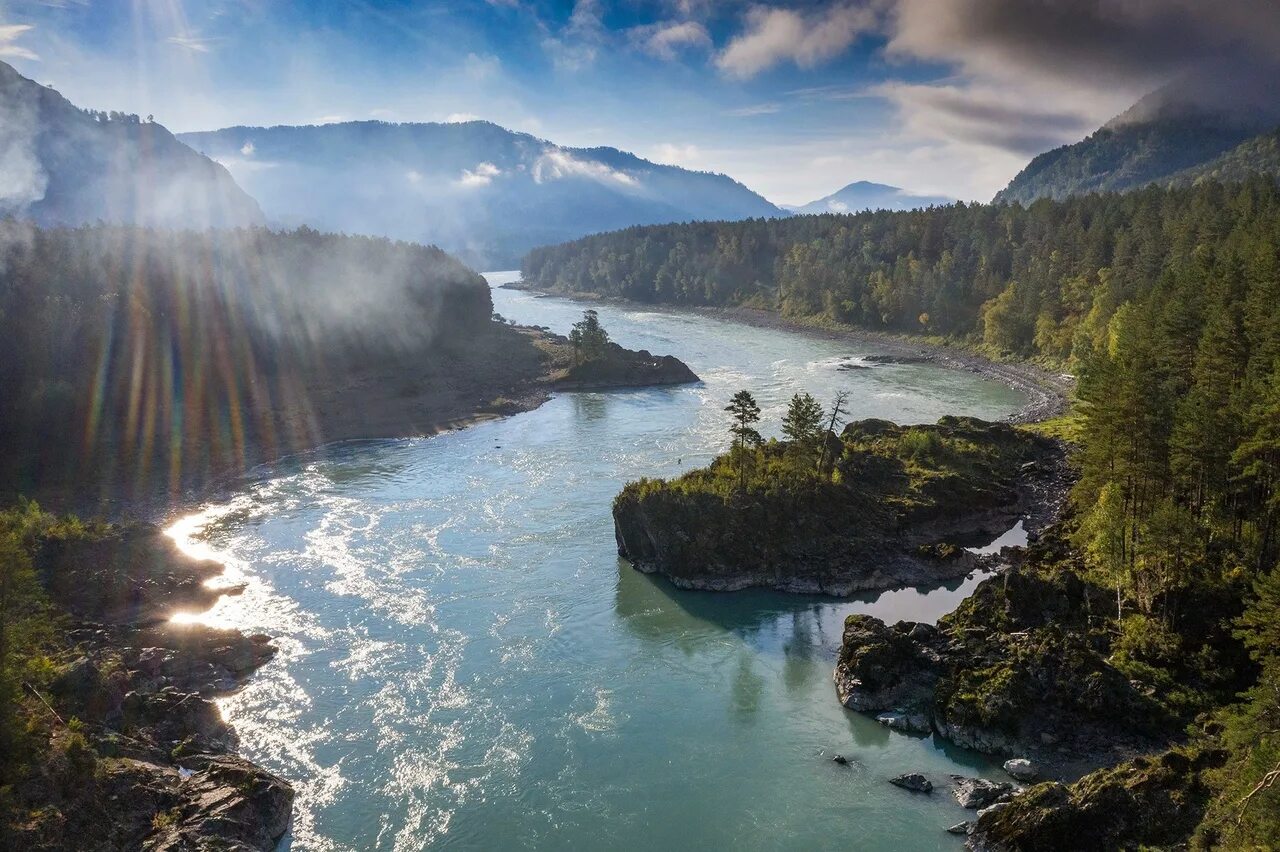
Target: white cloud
{"x":837,"y":206}
{"x":193,"y":43}
{"x":479,"y":67}
{"x":247,"y":149}
{"x":779,"y":35}
{"x":460,"y":117}
{"x":556,"y":163}
{"x":675,"y":155}
{"x":330,"y":119}
{"x":482,"y":175}
{"x":666,"y":40}
{"x":998,"y":117}
{"x":579,"y":41}
{"x":754,"y":109}
{"x":9,"y":35}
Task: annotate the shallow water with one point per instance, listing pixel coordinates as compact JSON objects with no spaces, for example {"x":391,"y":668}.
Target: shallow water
{"x":466,"y":663}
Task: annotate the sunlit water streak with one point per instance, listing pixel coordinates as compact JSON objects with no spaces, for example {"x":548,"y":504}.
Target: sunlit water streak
{"x":465,"y":662}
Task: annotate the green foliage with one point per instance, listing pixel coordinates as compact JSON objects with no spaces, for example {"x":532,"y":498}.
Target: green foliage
{"x":1041,"y":281}
{"x":1127,"y":154}
{"x":589,"y":339}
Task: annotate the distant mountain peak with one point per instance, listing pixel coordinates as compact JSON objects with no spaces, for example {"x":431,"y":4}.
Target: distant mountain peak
{"x":867,"y":195}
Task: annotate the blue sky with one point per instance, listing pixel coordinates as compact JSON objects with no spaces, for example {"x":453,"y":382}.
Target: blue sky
{"x":794,"y":99}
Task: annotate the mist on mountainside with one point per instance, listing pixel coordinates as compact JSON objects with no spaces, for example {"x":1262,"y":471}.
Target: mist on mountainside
{"x":61,"y":165}
{"x":1163,"y":138}
{"x":475,"y":189}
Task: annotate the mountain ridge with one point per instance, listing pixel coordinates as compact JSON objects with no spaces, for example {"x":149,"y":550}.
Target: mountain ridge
{"x":867,"y":195}
{"x":476,"y":189}
{"x":64,"y":165}
{"x":1163,"y":137}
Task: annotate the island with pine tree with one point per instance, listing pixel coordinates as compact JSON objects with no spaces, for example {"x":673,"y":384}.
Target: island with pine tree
{"x":876,"y":506}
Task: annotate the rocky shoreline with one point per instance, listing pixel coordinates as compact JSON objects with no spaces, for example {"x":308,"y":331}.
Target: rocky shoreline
{"x":139,"y":756}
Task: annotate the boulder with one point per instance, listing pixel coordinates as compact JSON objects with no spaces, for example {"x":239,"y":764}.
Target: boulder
{"x":911,"y":723}
{"x":960,"y":828}
{"x":976,"y":793}
{"x":913,"y":781}
{"x":1021,"y":769}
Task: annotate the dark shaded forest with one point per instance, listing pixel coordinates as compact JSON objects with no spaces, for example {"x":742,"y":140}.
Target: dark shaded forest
{"x":166,"y":353}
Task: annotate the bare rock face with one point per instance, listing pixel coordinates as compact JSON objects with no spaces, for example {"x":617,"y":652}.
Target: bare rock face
{"x":227,"y":804}
{"x":978,"y":793}
{"x":884,"y":668}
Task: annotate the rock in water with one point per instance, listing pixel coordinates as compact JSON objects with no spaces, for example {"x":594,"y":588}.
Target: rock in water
{"x":1021,"y":769}
{"x":840,"y":759}
{"x":959,"y":828}
{"x":975,"y":793}
{"x":913,"y":781}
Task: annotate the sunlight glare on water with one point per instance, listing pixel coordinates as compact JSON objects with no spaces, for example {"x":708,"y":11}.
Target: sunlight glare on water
{"x":465,"y":661}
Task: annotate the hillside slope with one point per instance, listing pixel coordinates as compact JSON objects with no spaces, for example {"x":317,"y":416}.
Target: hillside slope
{"x":475,"y":189}
{"x":61,"y":165}
{"x":1168,"y":133}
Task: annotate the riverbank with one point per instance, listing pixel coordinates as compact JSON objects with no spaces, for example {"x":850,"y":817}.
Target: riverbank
{"x":122,"y":744}
{"x":501,"y":371}
{"x":1048,"y":393}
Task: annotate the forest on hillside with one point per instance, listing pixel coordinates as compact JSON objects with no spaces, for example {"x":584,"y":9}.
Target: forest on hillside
{"x":1035,"y":282}
{"x":1165,"y":302}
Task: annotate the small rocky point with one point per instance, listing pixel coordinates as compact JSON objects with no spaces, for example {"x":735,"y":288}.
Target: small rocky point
{"x":139,"y":756}
{"x":913,"y":781}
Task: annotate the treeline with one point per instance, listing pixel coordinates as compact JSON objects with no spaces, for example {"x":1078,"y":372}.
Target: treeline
{"x":156,"y":350}
{"x":1037,"y":282}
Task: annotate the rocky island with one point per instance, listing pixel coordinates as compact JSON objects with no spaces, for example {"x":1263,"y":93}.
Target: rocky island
{"x":886,"y":511}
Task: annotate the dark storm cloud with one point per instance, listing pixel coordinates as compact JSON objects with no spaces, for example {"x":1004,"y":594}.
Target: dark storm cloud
{"x":1091,"y":42}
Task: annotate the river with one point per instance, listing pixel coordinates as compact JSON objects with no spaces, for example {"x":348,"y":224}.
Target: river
{"x":466,"y":663}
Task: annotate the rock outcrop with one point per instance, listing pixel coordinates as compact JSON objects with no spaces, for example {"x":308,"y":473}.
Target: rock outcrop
{"x":890,"y":516}
{"x":1014,"y":671}
{"x":1145,"y":802}
{"x":139,"y":756}
{"x":625,"y":368}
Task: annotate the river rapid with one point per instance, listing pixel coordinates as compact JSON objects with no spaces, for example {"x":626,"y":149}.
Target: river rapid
{"x":466,"y":663}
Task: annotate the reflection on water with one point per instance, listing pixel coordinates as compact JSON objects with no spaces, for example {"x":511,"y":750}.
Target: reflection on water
{"x":465,"y":662}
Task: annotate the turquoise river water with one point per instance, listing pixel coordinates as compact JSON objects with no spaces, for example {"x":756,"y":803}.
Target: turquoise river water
{"x":466,"y":663}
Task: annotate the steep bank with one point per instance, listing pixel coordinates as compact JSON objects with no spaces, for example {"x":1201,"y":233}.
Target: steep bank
{"x":123,"y":744}
{"x":890,"y":514}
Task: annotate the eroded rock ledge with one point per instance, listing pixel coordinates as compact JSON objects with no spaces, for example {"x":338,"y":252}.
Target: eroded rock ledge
{"x":899,"y":500}
{"x":1016,"y":670}
{"x":139,"y":756}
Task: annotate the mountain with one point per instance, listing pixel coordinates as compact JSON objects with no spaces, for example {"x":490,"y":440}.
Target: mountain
{"x":475,"y":189}
{"x":1258,"y":155}
{"x":864,"y":195}
{"x":1169,"y":133}
{"x":62,"y":165}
